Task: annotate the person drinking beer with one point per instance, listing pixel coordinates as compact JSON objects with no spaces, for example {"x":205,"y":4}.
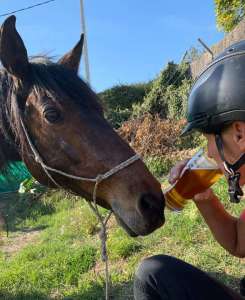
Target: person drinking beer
{"x":216,"y":108}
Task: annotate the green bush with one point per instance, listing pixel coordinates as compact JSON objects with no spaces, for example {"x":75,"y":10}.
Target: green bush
{"x":165,"y":96}
{"x":159,"y":166}
{"x":191,"y":141}
{"x":118,"y":101}
{"x":176,"y":99}
{"x":156,"y":101}
{"x":118,"y":116}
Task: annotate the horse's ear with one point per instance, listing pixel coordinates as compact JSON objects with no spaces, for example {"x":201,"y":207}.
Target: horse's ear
{"x":13,"y":54}
{"x":71,"y":60}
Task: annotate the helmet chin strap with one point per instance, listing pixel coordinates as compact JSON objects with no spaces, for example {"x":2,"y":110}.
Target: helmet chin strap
{"x":234,"y":190}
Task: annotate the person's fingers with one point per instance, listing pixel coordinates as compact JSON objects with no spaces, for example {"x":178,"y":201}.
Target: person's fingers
{"x":204,"y":196}
{"x":176,"y":171}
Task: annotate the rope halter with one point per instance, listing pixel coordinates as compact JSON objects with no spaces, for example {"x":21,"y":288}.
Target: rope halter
{"x":97,"y":180}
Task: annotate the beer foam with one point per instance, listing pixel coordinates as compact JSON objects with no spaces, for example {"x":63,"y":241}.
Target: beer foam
{"x":201,"y":161}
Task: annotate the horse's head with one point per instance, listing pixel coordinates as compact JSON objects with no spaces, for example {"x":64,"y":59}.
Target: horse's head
{"x":66,"y":125}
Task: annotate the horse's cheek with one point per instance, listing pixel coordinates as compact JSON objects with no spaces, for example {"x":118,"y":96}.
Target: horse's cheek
{"x":36,"y":171}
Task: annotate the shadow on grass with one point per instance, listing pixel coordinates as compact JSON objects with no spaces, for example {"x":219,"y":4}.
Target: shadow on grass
{"x":36,"y":228}
{"x":22,"y":296}
{"x":15,"y":209}
{"x":122,"y":291}
{"x":228,"y":280}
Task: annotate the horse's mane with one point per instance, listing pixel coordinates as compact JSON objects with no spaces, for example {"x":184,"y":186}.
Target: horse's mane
{"x":7,"y":142}
{"x":58,"y":82}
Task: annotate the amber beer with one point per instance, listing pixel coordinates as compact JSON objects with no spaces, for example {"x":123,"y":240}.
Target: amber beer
{"x":198,"y":175}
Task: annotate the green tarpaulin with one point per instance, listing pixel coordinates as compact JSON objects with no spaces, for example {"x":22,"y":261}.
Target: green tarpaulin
{"x":12,"y":176}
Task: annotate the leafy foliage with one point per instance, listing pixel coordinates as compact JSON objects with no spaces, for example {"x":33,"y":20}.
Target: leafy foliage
{"x":159,"y":166}
{"x":176,"y":99}
{"x":165,"y":96}
{"x":156,"y":101}
{"x":118,"y":101}
{"x":229,"y":13}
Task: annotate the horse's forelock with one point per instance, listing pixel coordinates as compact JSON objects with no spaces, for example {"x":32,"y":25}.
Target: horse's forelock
{"x":64,"y":83}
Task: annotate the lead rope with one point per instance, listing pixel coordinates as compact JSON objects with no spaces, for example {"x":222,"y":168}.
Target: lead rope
{"x":99,"y":178}
{"x":103,"y":239}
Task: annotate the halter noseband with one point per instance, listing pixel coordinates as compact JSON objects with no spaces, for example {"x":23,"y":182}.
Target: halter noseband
{"x":99,"y":178}
{"x":234,"y":190}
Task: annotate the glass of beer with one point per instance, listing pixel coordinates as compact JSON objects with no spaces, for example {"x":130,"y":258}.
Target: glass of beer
{"x":199,"y":174}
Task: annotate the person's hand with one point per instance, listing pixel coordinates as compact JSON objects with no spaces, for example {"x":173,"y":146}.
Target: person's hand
{"x":205,"y":196}
{"x":175,"y":172}
{"x":174,"y":175}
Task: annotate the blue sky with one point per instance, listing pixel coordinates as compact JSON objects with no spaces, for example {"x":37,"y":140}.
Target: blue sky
{"x":128,"y":40}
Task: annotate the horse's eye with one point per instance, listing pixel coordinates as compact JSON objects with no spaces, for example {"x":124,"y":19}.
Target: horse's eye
{"x":52,"y":115}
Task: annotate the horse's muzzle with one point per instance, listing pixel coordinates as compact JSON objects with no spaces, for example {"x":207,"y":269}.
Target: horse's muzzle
{"x":145,"y":218}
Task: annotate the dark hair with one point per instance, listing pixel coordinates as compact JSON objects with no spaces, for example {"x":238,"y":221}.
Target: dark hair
{"x":218,"y":129}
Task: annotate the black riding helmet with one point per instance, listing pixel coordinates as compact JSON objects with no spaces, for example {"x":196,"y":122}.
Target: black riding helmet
{"x":218,"y":95}
{"x":217,"y":98}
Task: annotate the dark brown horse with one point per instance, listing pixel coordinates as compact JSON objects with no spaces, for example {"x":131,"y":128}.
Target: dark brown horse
{"x":66,"y":125}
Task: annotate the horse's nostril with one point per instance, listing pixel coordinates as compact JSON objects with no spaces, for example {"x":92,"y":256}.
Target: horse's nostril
{"x":145,"y":203}
{"x":149,"y":203}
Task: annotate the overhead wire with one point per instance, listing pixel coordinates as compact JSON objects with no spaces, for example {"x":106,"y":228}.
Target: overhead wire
{"x":26,"y":8}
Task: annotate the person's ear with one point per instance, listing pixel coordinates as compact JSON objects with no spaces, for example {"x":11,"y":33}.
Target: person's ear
{"x":239,"y":134}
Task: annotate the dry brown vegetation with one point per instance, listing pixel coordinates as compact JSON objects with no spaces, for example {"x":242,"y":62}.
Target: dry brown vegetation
{"x":153,"y":136}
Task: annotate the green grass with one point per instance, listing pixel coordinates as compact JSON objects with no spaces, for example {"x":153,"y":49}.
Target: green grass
{"x":64,"y":261}
{"x":44,"y":267}
{"x":122,"y":246}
